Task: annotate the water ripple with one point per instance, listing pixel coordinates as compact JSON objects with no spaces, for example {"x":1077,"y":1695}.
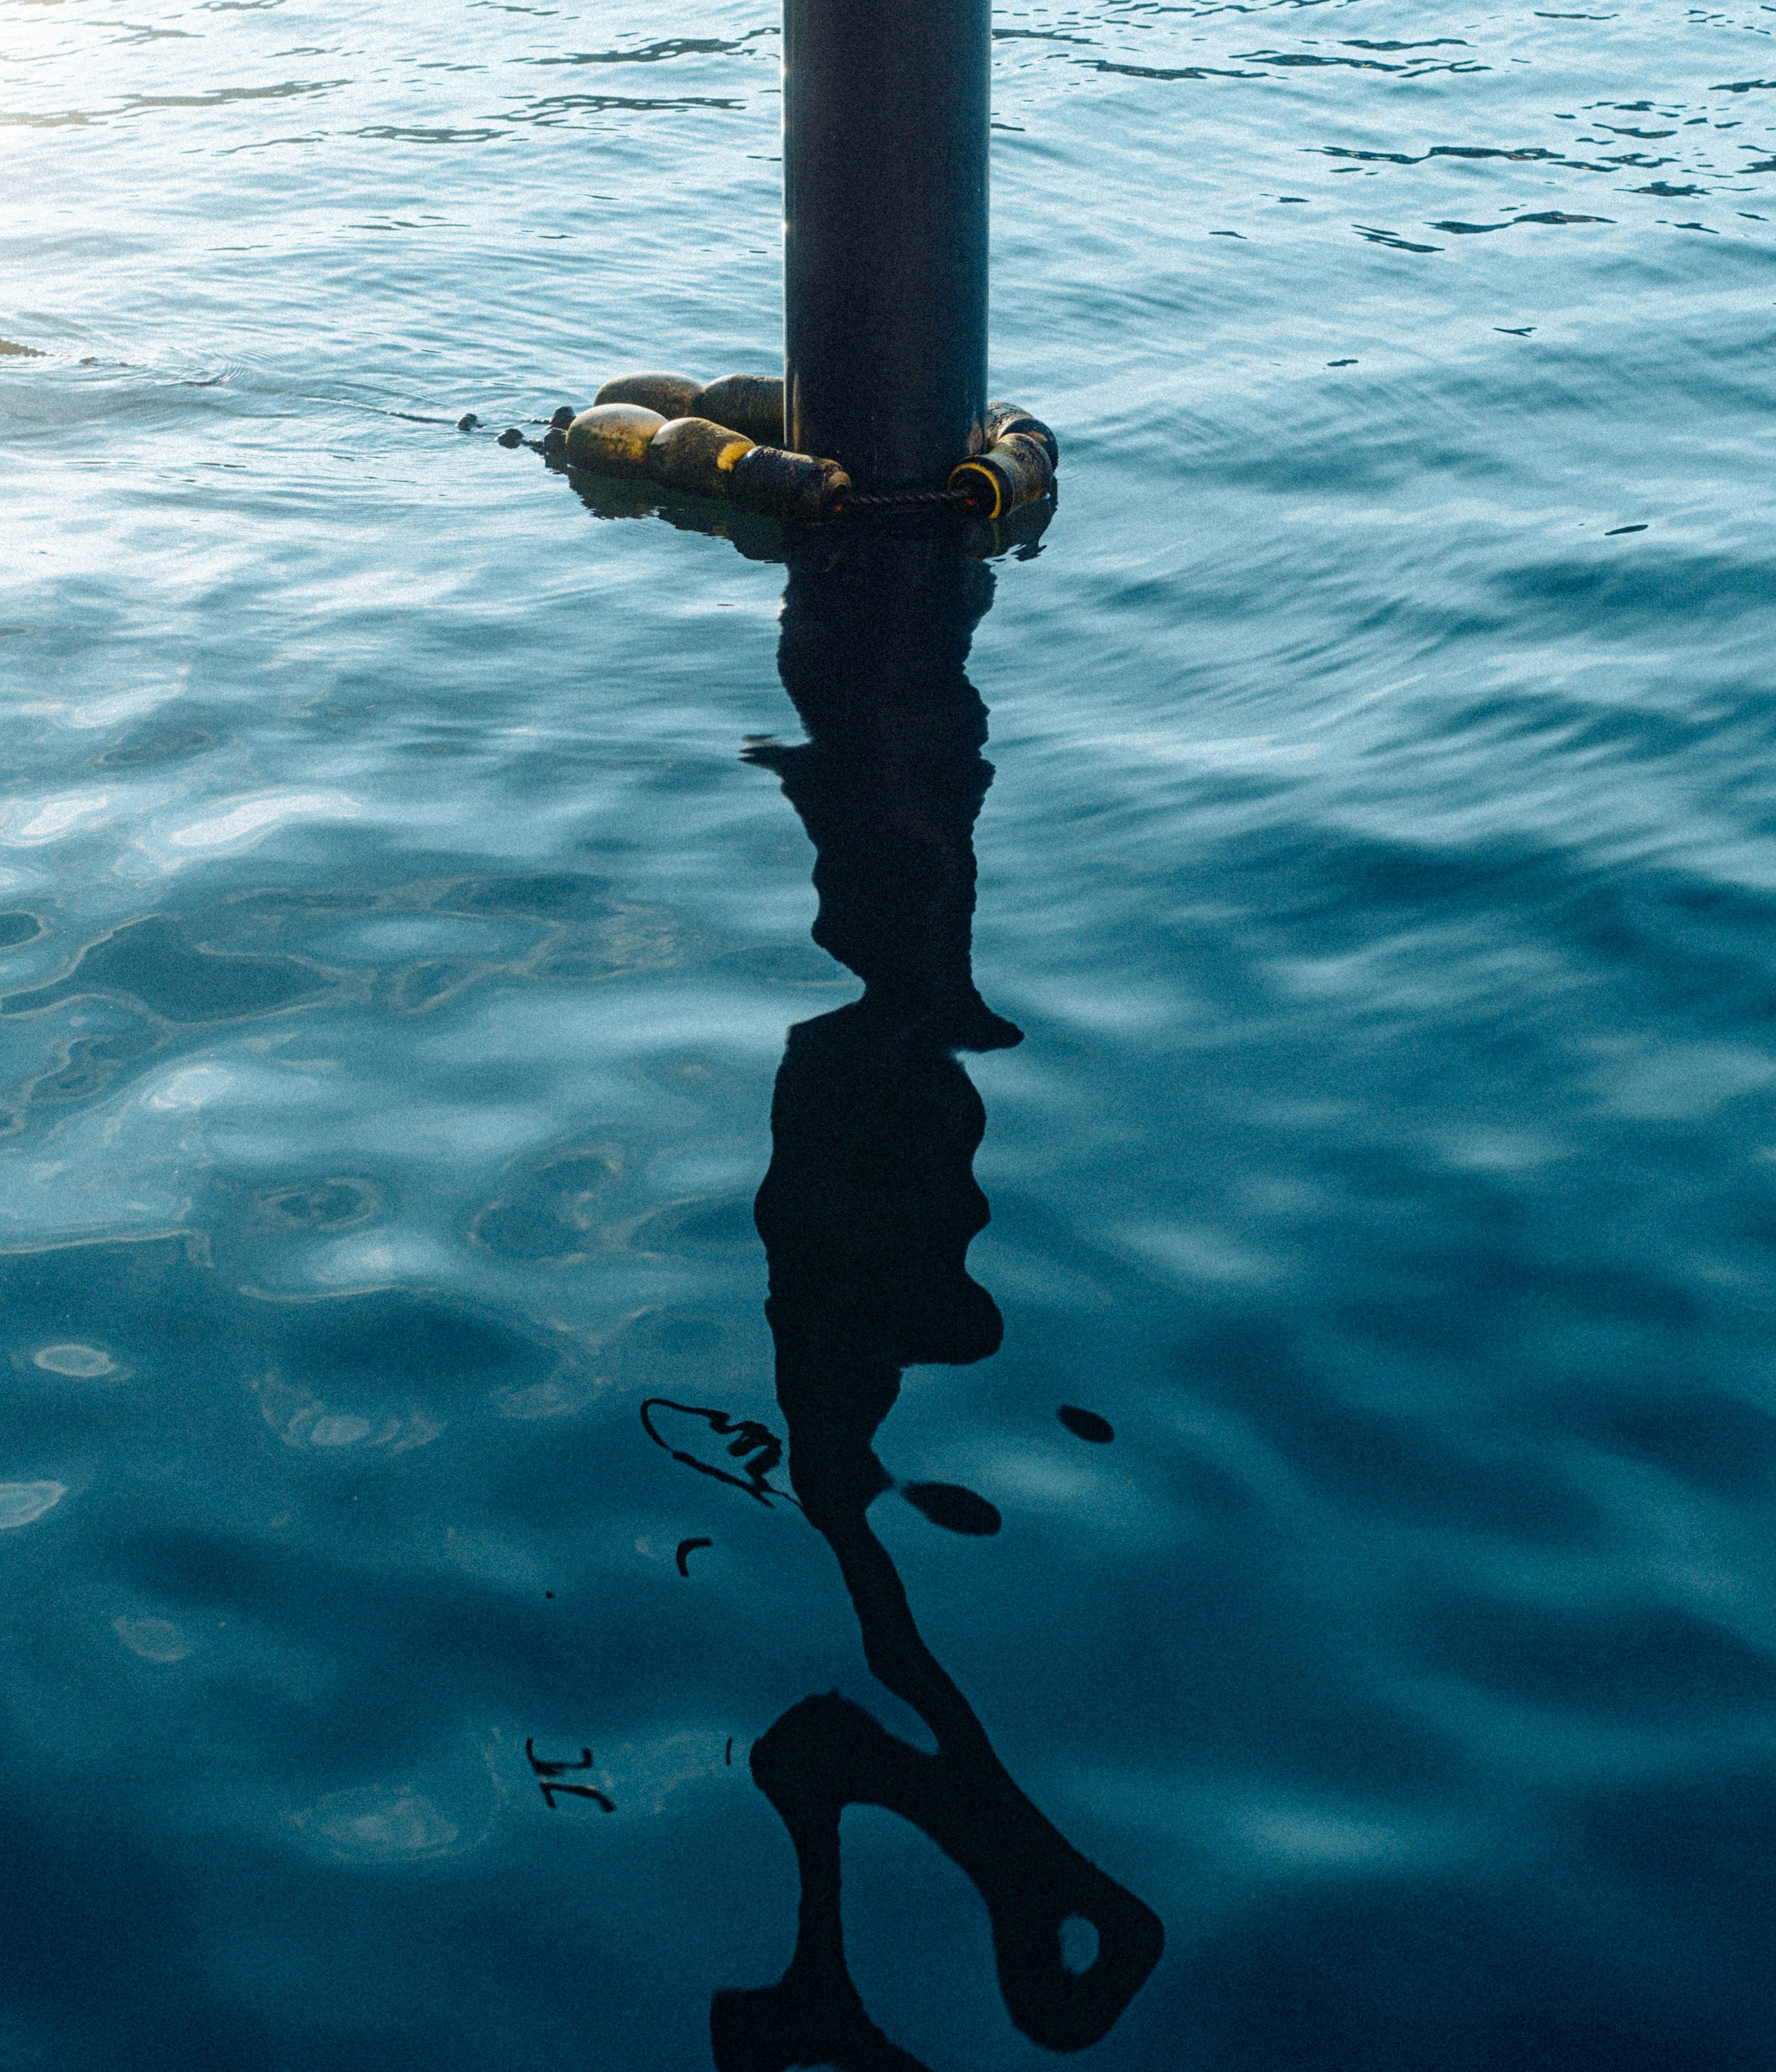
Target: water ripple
{"x":397,"y":951}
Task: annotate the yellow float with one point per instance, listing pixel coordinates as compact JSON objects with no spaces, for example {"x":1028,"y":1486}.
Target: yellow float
{"x":725,"y":440}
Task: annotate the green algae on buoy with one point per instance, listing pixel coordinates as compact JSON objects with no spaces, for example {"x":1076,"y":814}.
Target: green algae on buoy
{"x":672,"y":395}
{"x":613,"y":438}
{"x":750,"y":403}
{"x":694,"y":454}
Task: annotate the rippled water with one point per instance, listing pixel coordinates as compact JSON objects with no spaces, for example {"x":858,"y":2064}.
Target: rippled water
{"x":397,"y":954}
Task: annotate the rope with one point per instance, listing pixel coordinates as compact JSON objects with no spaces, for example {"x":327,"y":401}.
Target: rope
{"x":910,"y":499}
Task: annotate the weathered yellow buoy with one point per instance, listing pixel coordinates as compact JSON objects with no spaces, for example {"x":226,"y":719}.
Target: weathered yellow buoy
{"x":672,"y":395}
{"x":788,"y":485}
{"x":1014,"y":470}
{"x":613,"y":438}
{"x":694,"y":454}
{"x":750,"y":403}
{"x":724,"y":439}
{"x":1002,"y":418}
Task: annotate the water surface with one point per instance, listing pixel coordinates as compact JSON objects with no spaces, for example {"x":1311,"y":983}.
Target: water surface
{"x":396,"y":950}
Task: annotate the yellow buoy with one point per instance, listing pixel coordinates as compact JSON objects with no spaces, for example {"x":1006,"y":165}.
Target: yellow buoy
{"x":1002,"y":418}
{"x":788,"y":485}
{"x":751,"y":403}
{"x":1013,"y":469}
{"x":613,"y":438}
{"x":672,"y":395}
{"x":692,"y":454}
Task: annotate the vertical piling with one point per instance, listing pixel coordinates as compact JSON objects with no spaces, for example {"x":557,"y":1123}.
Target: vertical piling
{"x":886,"y":134}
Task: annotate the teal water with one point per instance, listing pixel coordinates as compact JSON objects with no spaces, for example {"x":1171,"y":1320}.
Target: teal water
{"x":396,"y":955}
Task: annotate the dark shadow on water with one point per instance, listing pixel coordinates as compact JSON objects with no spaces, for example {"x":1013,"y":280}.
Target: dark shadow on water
{"x":867,"y":1213}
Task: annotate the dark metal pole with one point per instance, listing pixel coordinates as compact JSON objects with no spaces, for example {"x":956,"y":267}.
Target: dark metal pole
{"x":886,"y":122}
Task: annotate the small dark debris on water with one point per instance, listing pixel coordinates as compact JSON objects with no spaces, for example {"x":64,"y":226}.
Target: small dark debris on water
{"x":686,"y":1549}
{"x":467,"y":421}
{"x":748,"y":1437}
{"x":549,"y":1593}
{"x":548,"y":1775}
{"x":564,"y":417}
{"x":955,"y":1509}
{"x":1506,"y":330}
{"x":573,"y":1791}
{"x":1086,"y":1424}
{"x":730,"y":1751}
{"x":544,"y":1768}
{"x":511,"y":437}
{"x":1616,"y":532}
{"x":1341,"y":362}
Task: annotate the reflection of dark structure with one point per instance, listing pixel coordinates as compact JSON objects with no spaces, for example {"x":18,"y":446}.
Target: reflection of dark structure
{"x":867,"y":1213}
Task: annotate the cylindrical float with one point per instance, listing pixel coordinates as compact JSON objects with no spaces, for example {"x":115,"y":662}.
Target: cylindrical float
{"x":1004,"y":418}
{"x":885,"y":133}
{"x":672,"y":395}
{"x":1013,"y":469}
{"x":613,"y":438}
{"x":750,"y":403}
{"x":788,"y":485}
{"x":692,"y":454}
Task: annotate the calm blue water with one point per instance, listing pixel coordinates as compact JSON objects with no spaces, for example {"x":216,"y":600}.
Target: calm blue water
{"x":397,"y":953}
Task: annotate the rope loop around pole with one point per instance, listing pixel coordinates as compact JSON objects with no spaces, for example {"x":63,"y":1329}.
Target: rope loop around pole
{"x":660,"y":426}
{"x":909,"y":500}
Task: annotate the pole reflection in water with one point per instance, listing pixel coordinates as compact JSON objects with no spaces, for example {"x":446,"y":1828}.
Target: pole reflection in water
{"x":867,"y":1213}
